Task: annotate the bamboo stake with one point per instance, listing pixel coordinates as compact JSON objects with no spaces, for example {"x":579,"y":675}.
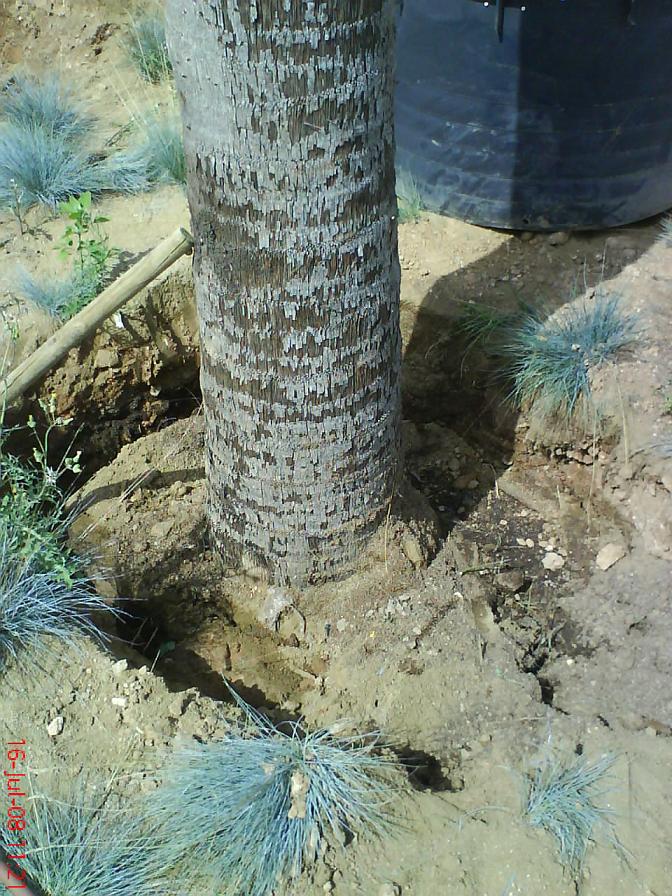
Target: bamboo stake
{"x":90,"y":318}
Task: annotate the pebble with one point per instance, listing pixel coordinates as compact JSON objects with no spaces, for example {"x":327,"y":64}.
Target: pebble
{"x":119,"y":667}
{"x":121,"y":702}
{"x":553,"y":561}
{"x":341,"y":625}
{"x":559,"y":238}
{"x":512,"y":580}
{"x":390,"y":889}
{"x":413,"y":552}
{"x":55,"y":727}
{"x":608,"y":555}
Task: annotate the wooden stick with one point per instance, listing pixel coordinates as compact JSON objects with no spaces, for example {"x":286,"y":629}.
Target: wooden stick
{"x":90,"y":318}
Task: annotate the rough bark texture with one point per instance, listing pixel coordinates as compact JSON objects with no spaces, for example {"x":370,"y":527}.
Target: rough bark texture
{"x":287,"y":109}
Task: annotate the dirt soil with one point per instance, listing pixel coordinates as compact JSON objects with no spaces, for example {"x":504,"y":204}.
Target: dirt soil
{"x":480,"y":634}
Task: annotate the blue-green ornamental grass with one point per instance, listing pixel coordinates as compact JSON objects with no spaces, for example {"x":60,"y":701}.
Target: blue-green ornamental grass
{"x":550,"y":361}
{"x":77,"y":846}
{"x":161,"y":153}
{"x":147,"y":48}
{"x":563,"y":800}
{"x":665,"y":235}
{"x":38,"y":605}
{"x":27,"y":102}
{"x":46,"y":154}
{"x":60,"y":296}
{"x":44,"y":590}
{"x":410,"y":204}
{"x":254,"y":808}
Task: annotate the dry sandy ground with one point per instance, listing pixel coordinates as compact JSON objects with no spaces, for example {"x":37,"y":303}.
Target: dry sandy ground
{"x":471,"y":655}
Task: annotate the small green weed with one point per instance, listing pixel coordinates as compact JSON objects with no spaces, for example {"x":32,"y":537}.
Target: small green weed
{"x":148,"y":50}
{"x":409,"y":200}
{"x":562,"y":800}
{"x":32,"y":515}
{"x":84,"y":236}
{"x":667,"y":404}
{"x":88,"y":246}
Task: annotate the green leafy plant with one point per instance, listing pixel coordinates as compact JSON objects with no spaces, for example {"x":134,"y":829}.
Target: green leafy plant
{"x":83,"y":235}
{"x":32,"y":514}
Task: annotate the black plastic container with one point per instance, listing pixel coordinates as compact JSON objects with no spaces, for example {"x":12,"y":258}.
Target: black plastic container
{"x":557,"y":116}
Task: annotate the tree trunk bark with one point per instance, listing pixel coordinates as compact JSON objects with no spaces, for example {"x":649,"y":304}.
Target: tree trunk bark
{"x":288,"y":120}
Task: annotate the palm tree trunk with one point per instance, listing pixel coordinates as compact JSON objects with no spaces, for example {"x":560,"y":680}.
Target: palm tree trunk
{"x":288,"y":118}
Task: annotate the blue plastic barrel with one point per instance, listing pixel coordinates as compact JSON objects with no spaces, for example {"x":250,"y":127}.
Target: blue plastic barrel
{"x":551,"y":117}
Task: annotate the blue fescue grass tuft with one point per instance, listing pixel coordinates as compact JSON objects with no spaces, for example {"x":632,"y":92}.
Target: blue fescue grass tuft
{"x":147,"y":48}
{"x":562,"y":801}
{"x":161,"y":154}
{"x":36,"y":604}
{"x":410,"y":204}
{"x":48,"y":104}
{"x":550,"y":361}
{"x":257,"y":805}
{"x":62,"y":297}
{"x":665,"y":235}
{"x":38,"y":166}
{"x":76,"y":845}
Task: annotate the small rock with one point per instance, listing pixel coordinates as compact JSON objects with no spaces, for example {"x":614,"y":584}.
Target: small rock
{"x":559,"y":238}
{"x":159,"y":530}
{"x":328,"y":887}
{"x":390,"y":889}
{"x":55,"y":727}
{"x":178,"y":706}
{"x":526,"y":236}
{"x":608,"y":555}
{"x":553,"y":561}
{"x":277,"y":601}
{"x":413,"y":552}
{"x":512,"y":581}
{"x":119,"y":667}
{"x":106,"y":358}
{"x":341,"y":625}
{"x":292,"y":641}
{"x":121,"y":702}
{"x":529,"y":543}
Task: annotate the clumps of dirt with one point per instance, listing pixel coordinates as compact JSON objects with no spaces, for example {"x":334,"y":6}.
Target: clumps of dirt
{"x":138,"y":370}
{"x":143,"y":517}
